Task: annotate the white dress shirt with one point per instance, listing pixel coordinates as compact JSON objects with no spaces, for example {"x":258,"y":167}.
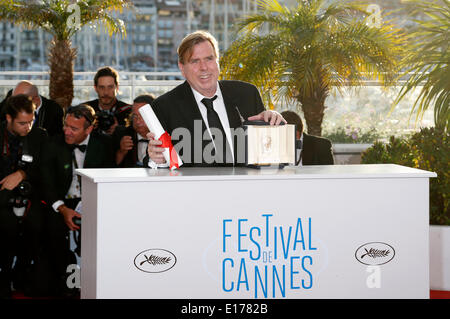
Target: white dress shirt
{"x":75,"y":186}
{"x":219,"y":107}
{"x":141,"y":148}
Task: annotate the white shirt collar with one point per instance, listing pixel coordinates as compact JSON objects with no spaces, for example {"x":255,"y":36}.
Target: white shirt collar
{"x":199,"y":97}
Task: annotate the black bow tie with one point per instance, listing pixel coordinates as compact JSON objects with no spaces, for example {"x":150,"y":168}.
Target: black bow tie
{"x":143,"y":140}
{"x":81,"y":147}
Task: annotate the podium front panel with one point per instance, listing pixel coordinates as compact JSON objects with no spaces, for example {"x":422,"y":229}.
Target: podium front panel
{"x":311,"y":232}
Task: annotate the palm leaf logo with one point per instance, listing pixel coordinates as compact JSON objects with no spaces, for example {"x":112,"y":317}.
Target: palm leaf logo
{"x":155,"y":260}
{"x":374,"y":253}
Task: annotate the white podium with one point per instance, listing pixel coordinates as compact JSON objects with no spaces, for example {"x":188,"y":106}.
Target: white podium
{"x":353,"y":231}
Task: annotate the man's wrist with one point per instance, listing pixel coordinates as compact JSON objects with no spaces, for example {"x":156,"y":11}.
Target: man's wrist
{"x":57,"y":205}
{"x":22,"y":173}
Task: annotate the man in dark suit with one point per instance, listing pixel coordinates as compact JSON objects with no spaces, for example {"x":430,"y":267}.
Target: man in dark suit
{"x":20,"y":218}
{"x":49,"y":115}
{"x":130,"y":142}
{"x":208,"y":109}
{"x":106,"y":84}
{"x":79,"y":147}
{"x":315,"y":150}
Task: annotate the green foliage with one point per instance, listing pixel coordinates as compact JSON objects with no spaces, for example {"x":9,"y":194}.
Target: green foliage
{"x":299,"y":55}
{"x":429,"y":150}
{"x":396,"y":151}
{"x":57,"y":17}
{"x":432,"y":149}
{"x":352,"y":135}
{"x":427,"y":64}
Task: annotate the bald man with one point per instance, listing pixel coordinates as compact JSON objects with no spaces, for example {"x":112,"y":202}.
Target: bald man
{"x":49,"y":115}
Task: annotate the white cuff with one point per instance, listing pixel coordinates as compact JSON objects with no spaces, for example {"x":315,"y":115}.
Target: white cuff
{"x":153,"y":165}
{"x":57,"y":204}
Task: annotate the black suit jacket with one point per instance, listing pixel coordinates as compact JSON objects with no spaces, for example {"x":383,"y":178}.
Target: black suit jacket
{"x":50,"y":117}
{"x":121,"y":110}
{"x":316,"y":151}
{"x":57,"y":169}
{"x":131,"y":158}
{"x":35,"y":141}
{"x":178,"y":109}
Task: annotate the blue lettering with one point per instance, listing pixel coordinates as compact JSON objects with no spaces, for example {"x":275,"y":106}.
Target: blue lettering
{"x":267,"y":228}
{"x":241,"y":234}
{"x":256,"y":243}
{"x":263,"y":284}
{"x":281,"y":285}
{"x":299,"y":226}
{"x":306,"y":270}
{"x":224,"y":233}
{"x":310,"y":248}
{"x":293,"y":272}
{"x":242,"y":270}
{"x":223,"y":274}
{"x":285,"y":246}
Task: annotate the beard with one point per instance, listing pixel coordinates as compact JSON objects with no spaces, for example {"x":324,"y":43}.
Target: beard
{"x":107,"y":100}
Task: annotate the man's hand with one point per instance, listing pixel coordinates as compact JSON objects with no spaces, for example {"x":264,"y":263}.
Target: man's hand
{"x":12,"y":180}
{"x":155,"y":152}
{"x":68,"y":215}
{"x":126,"y":144}
{"x":112,"y":127}
{"x":273,"y":117}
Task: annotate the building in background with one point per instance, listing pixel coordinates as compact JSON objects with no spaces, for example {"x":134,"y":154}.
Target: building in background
{"x":154,"y":30}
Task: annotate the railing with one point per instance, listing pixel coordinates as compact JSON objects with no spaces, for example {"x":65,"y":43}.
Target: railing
{"x":366,"y":108}
{"x":131,"y":84}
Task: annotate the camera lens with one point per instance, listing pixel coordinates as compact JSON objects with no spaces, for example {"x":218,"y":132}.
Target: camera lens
{"x":24,"y":188}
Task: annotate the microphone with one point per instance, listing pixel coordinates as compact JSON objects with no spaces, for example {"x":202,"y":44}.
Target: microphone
{"x":240,"y":116}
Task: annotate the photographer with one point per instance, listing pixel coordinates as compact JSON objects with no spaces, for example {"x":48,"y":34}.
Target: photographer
{"x":130,"y":142}
{"x":109,"y":110}
{"x":20,"y":218}
{"x":78,"y":147}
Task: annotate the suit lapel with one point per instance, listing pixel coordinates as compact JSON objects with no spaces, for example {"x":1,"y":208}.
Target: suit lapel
{"x":67,"y":164}
{"x":92,"y":149}
{"x":189,"y":107}
{"x":231,"y":104}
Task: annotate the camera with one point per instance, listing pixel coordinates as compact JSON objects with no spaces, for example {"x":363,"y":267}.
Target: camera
{"x":21,"y":194}
{"x":20,"y":199}
{"x":77,"y":221}
{"x":105,"y":120}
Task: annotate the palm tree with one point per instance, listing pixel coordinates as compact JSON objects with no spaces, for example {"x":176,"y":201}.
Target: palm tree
{"x":428,"y":61}
{"x":309,"y":50}
{"x":62,"y":19}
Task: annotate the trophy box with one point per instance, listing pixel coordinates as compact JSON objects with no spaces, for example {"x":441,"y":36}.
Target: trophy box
{"x":269,"y":144}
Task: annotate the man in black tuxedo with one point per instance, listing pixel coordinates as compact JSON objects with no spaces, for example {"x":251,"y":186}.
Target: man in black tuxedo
{"x":130,"y":142}
{"x":79,"y":147}
{"x":208,"y":109}
{"x":315,"y":150}
{"x":106,"y":85}
{"x":49,"y":114}
{"x":20,"y":219}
